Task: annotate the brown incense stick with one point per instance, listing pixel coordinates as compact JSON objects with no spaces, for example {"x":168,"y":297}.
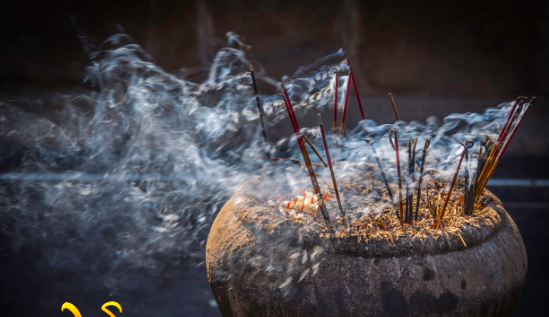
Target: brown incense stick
{"x":314,"y":149}
{"x":304,"y":152}
{"x":393,"y":134}
{"x":331,"y":169}
{"x":466,"y":182}
{"x":261,"y":113}
{"x":408,"y":213}
{"x":412,"y":171}
{"x":425,"y":147}
{"x":467,"y":145}
{"x":344,"y":115}
{"x":470,"y":198}
{"x":394,"y":107}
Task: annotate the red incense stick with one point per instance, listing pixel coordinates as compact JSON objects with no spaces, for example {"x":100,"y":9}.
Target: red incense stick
{"x":352,"y":77}
{"x":304,"y":152}
{"x":336,"y":84}
{"x":331,"y":169}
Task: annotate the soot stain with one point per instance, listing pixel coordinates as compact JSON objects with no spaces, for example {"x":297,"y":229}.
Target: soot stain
{"x":426,"y":302}
{"x":394,"y":302}
{"x":428,"y":274}
{"x":447,"y":302}
{"x":422,"y":302}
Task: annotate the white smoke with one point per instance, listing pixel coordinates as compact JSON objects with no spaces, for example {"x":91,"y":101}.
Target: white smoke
{"x":131,"y":175}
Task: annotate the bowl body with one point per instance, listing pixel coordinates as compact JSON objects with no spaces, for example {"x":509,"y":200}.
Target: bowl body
{"x":259,"y":268}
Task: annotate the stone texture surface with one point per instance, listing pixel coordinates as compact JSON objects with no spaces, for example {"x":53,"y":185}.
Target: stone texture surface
{"x":255,"y":272}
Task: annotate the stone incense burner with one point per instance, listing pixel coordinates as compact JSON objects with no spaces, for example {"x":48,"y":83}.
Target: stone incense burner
{"x":264,"y":265}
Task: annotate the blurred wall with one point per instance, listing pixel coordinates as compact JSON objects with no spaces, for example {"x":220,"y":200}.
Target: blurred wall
{"x":487,"y":51}
{"x":425,"y":48}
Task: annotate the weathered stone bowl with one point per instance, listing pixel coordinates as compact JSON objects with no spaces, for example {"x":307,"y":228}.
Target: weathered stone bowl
{"x":262,"y":265}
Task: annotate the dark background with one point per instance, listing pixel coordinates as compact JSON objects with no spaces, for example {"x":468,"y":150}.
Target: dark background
{"x":436,"y":57}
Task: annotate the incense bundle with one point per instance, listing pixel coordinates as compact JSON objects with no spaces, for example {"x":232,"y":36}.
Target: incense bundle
{"x":513,"y":113}
{"x":518,"y":112}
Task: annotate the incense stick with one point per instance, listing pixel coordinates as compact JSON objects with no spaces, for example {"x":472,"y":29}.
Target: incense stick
{"x":408,"y":217}
{"x":425,"y":147}
{"x":411,"y":178}
{"x":314,"y":149}
{"x":304,"y":152}
{"x":393,"y":134}
{"x":256,"y":92}
{"x":466,"y":182}
{"x":470,"y":199}
{"x":351,"y":74}
{"x":467,"y":145}
{"x":336,"y":84}
{"x":414,"y":160}
{"x":344,"y":114}
{"x":331,"y":169}
{"x":394,"y":107}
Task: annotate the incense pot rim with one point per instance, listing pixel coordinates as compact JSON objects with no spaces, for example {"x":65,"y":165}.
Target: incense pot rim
{"x":486,"y":223}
